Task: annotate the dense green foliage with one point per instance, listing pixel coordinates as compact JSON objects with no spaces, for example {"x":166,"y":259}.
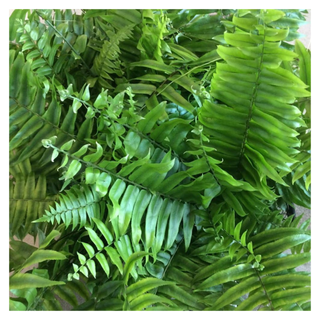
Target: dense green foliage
{"x":153,"y":153}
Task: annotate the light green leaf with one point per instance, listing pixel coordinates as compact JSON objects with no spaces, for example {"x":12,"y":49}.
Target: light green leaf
{"x":127,"y":204}
{"x":95,"y":156}
{"x":138,"y":288}
{"x":89,"y":249}
{"x":250,"y":247}
{"x":27,"y":280}
{"x":188,"y":224}
{"x":301,"y":171}
{"x":43,"y":255}
{"x":243,"y":238}
{"x":92,"y":267}
{"x":130,"y":264}
{"x":137,"y":88}
{"x":233,"y":248}
{"x":174,"y":222}
{"x":16,"y":305}
{"x":230,"y":274}
{"x":289,"y":296}
{"x":29,"y":294}
{"x":76,"y":276}
{"x":151,"y":219}
{"x":234,"y":203}
{"x":115,"y":258}
{"x":155,"y":65}
{"x":102,"y":184}
{"x":308,"y":181}
{"x":151,"y":118}
{"x":254,"y":300}
{"x":274,"y":234}
{"x":288,"y":262}
{"x":139,"y":208}
{"x":67,"y":146}
{"x":73,"y":169}
{"x":84,"y":271}
{"x":237,"y":291}
{"x":206,"y":272}
{"x":55,"y":154}
{"x":182,"y":295}
{"x":53,"y":234}
{"x":81,"y":151}
{"x":81,"y":43}
{"x":174,"y":96}
{"x":75,"y":267}
{"x":104,"y":263}
{"x":92,"y":175}
{"x":270,"y":15}
{"x":76,"y":105}
{"x":104,"y":230}
{"x":148,"y":299}
{"x":237,"y":231}
{"x":279,"y":246}
{"x":81,"y":258}
{"x":95,"y":238}
{"x":86,"y":94}
{"x":304,"y":62}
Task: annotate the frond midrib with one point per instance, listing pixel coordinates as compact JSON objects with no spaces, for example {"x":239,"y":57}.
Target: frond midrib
{"x":41,"y":118}
{"x":251,"y":108}
{"x":117,"y":176}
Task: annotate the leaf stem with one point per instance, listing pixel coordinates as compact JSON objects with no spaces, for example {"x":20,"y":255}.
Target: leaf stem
{"x":252,"y":104}
{"x":117,"y":176}
{"x":264,"y":289}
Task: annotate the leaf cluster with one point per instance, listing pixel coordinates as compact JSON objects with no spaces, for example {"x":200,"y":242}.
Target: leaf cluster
{"x":154,"y":154}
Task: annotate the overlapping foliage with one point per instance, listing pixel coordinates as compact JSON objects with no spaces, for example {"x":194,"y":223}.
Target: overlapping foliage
{"x":153,"y":153}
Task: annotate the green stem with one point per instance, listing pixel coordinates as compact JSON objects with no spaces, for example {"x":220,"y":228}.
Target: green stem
{"x":46,"y":121}
{"x":207,"y":160}
{"x":184,"y":74}
{"x":171,"y":258}
{"x":251,"y":108}
{"x":265,"y":291}
{"x":172,"y":74}
{"x":117,"y":176}
{"x":142,"y":135}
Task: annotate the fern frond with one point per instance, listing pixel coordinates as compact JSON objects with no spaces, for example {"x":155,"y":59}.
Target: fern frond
{"x":249,"y":110}
{"x":254,"y":266}
{"x":77,"y":207}
{"x":107,"y":63}
{"x":35,"y":121}
{"x":28,"y":200}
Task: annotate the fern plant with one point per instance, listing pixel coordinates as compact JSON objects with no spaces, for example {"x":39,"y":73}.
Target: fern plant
{"x":153,"y":154}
